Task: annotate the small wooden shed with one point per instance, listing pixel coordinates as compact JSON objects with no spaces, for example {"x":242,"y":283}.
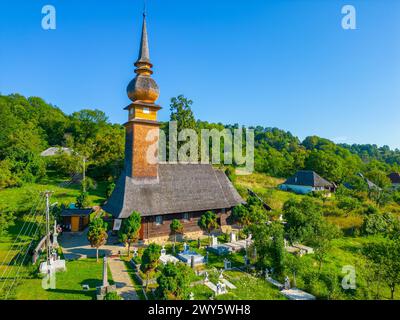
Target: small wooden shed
{"x":75,"y":220}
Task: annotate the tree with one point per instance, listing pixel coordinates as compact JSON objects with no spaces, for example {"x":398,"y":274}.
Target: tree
{"x":322,"y":240}
{"x":293,"y":264}
{"x":208,"y":222}
{"x":129,"y":232}
{"x":380,"y":197}
{"x":97,"y":234}
{"x":374,"y":224}
{"x":303,"y":218}
{"x":150,"y":258}
{"x":386,"y":257}
{"x":181,"y":112}
{"x":269,"y":243}
{"x":251,"y":213}
{"x":174,"y":282}
{"x":176,"y":228}
{"x":6,"y":221}
{"x":82,"y":200}
{"x":110,"y":189}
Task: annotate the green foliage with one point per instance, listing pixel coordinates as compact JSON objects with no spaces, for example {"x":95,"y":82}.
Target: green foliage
{"x":378,"y":223}
{"x":303,"y":219}
{"x":129,"y":232}
{"x":348,"y":204}
{"x":253,"y":212}
{"x":112,"y":296}
{"x":97,"y":234}
{"x":181,"y":112}
{"x":6,"y":221}
{"x":176,"y":226}
{"x":110,"y":189}
{"x":82,"y":201}
{"x":269,"y":243}
{"x":385,"y":259}
{"x":174,"y":282}
{"x":150,"y":259}
{"x":231,"y":174}
{"x":208,"y":222}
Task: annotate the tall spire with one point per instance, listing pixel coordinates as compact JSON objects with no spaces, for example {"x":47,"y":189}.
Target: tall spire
{"x":143,"y":87}
{"x":144,"y":54}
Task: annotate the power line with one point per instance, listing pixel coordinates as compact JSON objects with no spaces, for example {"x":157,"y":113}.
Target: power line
{"x":32,"y":213}
{"x":23,"y":259}
{"x":8,"y":270}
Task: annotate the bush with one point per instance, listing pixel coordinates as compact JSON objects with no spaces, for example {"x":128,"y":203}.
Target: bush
{"x":374,"y":224}
{"x":112,"y":296}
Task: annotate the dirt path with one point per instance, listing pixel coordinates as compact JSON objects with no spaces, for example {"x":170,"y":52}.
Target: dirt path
{"x":122,"y":279}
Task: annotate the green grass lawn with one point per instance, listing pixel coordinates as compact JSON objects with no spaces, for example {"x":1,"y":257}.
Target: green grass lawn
{"x":22,"y":199}
{"x":248,"y":287}
{"x":266,"y":187}
{"x":68,"y":284}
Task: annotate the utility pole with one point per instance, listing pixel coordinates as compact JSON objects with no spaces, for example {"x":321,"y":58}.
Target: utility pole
{"x":84,"y":175}
{"x":48,"y":244}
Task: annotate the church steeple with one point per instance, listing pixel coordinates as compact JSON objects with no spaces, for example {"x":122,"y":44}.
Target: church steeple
{"x":144,"y":54}
{"x":142,"y":123}
{"x":143,"y":88}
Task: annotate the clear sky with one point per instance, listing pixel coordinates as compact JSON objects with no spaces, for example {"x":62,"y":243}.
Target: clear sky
{"x":286,"y":64}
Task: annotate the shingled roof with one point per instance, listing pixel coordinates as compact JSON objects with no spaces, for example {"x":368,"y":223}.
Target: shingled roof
{"x":181,"y":188}
{"x":308,"y":178}
{"x":394,"y":177}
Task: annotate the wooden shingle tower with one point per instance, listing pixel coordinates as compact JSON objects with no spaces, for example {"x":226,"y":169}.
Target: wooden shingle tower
{"x":142,"y":128}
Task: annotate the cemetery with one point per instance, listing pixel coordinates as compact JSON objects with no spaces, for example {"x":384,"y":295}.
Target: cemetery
{"x":217,"y":276}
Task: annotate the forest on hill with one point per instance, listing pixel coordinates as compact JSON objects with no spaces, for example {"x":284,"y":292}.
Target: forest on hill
{"x":30,"y":125}
{"x":357,"y":225}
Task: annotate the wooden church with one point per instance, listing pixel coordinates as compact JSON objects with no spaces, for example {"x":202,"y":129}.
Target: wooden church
{"x":161,"y":192}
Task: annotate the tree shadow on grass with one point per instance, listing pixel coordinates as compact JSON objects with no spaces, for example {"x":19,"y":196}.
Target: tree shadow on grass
{"x":92,"y":283}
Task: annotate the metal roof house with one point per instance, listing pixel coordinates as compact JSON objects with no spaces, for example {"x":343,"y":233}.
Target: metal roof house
{"x":306,"y":181}
{"x":53,"y":151}
{"x":162,"y":192}
{"x":395,"y":179}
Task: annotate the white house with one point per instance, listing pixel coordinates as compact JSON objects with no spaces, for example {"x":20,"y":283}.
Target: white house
{"x":306,"y":181}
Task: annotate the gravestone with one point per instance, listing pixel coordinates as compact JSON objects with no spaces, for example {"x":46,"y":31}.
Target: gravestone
{"x":287,"y":283}
{"x":233,"y":237}
{"x":227,"y":264}
{"x":255,"y":253}
{"x":214,"y":241}
{"x":267,"y":276}
{"x":221,"y":288}
{"x":185,"y":247}
{"x":135,"y":252}
{"x":221,"y":275}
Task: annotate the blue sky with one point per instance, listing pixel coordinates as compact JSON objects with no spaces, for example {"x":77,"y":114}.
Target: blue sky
{"x":286,"y":64}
